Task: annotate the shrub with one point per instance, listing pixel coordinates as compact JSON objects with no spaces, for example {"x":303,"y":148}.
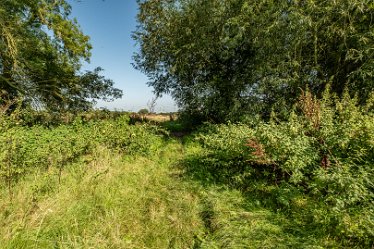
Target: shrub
{"x":143,"y":111}
{"x":224,"y":154}
{"x":131,"y":139}
{"x":324,"y":153}
{"x":25,"y":149}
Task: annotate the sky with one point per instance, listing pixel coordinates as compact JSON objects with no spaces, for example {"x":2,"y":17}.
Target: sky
{"x":110,"y":23}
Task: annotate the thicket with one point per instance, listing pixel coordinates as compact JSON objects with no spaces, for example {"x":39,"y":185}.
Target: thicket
{"x":30,"y":117}
{"x":26,"y":149}
{"x":317,"y":166}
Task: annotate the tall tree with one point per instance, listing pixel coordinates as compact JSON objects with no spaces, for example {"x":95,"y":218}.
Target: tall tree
{"x":41,"y":50}
{"x":193,"y":50}
{"x":223,"y":58}
{"x":313,"y":43}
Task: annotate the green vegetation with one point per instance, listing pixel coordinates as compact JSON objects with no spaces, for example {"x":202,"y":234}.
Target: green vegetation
{"x":41,"y":52}
{"x":317,"y":167}
{"x":301,"y":183}
{"x":285,"y":160}
{"x":221,"y":59}
{"x":143,"y":111}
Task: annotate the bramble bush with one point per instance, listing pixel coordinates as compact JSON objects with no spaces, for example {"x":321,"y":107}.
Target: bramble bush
{"x":131,"y":139}
{"x":25,"y":149}
{"x":318,"y":164}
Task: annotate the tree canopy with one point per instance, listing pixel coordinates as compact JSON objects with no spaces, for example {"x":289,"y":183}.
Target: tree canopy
{"x":41,"y":52}
{"x":225,"y":58}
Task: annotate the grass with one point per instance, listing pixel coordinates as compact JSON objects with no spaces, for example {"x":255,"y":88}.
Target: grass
{"x":110,"y":200}
{"x":246,"y":218}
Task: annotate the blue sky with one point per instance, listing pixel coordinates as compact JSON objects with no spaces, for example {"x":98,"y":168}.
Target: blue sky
{"x":110,"y":23}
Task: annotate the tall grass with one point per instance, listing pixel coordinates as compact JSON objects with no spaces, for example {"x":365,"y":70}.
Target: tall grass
{"x":304,"y":183}
{"x":103,"y":201}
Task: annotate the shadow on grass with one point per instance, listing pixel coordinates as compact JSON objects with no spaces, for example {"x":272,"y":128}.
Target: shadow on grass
{"x":240,"y":210}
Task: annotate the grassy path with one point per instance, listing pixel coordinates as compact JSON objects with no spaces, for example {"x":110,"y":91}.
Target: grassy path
{"x":109,"y":200}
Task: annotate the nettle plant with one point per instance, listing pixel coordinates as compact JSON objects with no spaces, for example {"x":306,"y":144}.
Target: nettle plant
{"x":325,"y":151}
{"x":317,"y":164}
{"x":321,"y":139}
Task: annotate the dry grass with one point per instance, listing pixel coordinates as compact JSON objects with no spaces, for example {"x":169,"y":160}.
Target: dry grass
{"x":160,"y":117}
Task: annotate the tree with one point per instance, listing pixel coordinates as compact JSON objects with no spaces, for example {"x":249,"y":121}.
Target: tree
{"x":151,"y":104}
{"x":311,"y":44}
{"x":143,"y":111}
{"x":185,"y":52}
{"x":224,"y":58}
{"x":41,"y":50}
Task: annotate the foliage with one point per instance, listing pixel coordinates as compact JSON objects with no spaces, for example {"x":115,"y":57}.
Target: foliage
{"x":225,"y":150}
{"x":320,"y":159}
{"x":41,"y":50}
{"x":129,"y":189}
{"x":30,"y":117}
{"x":129,"y":139}
{"x":274,"y":185}
{"x":90,"y":87}
{"x":187,"y":62}
{"x":222,"y":59}
{"x":26,"y":149}
{"x":143,"y":111}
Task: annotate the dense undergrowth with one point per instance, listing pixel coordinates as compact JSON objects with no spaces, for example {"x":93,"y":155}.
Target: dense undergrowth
{"x":25,"y":149}
{"x":305,"y":182}
{"x":317,"y":166}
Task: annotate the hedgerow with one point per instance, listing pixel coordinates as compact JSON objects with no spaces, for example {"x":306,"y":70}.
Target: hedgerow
{"x":24,"y":149}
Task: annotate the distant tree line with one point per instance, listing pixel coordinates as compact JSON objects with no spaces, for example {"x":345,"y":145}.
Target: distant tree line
{"x":221,"y":59}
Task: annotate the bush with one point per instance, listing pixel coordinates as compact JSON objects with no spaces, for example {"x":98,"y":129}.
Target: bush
{"x":324,"y":154}
{"x":224,"y":156}
{"x":143,"y":111}
{"x":131,"y":139}
{"x":25,"y":149}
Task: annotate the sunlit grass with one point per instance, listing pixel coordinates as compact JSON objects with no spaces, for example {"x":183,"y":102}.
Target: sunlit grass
{"x":106,"y":203}
{"x":111,"y":200}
